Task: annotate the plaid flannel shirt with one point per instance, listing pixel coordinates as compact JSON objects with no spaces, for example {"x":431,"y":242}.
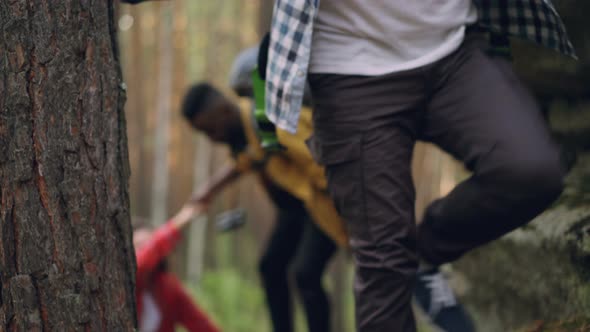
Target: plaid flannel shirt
{"x":291,"y":37}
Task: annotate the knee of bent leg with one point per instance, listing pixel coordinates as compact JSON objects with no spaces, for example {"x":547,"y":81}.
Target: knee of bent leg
{"x":536,"y":174}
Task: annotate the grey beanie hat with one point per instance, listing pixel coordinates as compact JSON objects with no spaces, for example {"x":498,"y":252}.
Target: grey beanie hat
{"x":240,"y":76}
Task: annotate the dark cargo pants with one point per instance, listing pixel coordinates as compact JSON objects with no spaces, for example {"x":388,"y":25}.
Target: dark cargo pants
{"x":470,"y":105}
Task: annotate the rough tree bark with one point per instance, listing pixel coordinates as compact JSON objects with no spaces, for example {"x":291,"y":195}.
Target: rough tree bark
{"x":66,"y":257}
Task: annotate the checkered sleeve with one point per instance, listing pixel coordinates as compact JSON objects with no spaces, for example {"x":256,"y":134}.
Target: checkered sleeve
{"x":533,"y":20}
{"x":289,"y":53}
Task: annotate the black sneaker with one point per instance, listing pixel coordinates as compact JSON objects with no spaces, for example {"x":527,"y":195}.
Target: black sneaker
{"x":438,"y":301}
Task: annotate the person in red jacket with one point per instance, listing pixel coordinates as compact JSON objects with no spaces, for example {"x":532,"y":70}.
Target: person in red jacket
{"x":162,"y":302}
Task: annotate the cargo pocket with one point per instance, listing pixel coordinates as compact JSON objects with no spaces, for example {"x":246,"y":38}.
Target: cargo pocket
{"x":342,"y":162}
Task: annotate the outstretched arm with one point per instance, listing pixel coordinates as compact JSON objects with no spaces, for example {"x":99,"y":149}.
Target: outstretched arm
{"x":163,"y":241}
{"x":161,"y":244}
{"x":225,"y":176}
{"x":200,"y":200}
{"x":166,"y":237}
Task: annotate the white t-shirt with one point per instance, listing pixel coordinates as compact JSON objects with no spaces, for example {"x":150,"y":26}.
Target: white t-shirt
{"x":376,"y":37}
{"x":151,"y":317}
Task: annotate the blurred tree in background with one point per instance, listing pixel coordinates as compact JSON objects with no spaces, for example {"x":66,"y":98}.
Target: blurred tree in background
{"x":166,"y":46}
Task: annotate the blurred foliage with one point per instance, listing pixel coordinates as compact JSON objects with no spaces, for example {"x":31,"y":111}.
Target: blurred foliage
{"x":235,"y":303}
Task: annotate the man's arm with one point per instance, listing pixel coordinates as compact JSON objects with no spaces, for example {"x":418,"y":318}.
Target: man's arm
{"x":166,"y":237}
{"x":225,"y":176}
{"x":163,"y":241}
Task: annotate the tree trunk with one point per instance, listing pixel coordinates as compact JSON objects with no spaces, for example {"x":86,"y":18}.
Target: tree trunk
{"x":164,"y":93}
{"x":198,"y":230}
{"x":66,"y":256}
{"x":265,"y":16}
{"x":136,"y":112}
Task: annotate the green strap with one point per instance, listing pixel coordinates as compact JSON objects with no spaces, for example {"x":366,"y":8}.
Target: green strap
{"x":265,"y":129}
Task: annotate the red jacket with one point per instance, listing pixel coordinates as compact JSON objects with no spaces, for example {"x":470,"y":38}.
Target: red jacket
{"x":175,"y":305}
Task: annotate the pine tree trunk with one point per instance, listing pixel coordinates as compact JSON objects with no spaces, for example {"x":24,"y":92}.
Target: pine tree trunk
{"x":136,"y":109}
{"x":164,"y":95}
{"x":66,"y":256}
{"x":265,"y":16}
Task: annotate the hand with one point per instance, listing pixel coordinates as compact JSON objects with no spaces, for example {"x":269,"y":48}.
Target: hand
{"x":187,"y":214}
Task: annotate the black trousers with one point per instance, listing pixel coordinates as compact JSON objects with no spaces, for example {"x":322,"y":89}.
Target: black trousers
{"x":297,"y":247}
{"x":470,"y":105}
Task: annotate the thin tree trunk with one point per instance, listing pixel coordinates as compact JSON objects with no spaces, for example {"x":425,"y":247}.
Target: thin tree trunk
{"x":202,"y":157}
{"x":164,"y":93}
{"x":265,"y":16}
{"x":212,"y":62}
{"x":137,"y":110}
{"x":151,"y":26}
{"x":198,"y":230}
{"x":66,"y":257}
{"x":181,"y":152}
